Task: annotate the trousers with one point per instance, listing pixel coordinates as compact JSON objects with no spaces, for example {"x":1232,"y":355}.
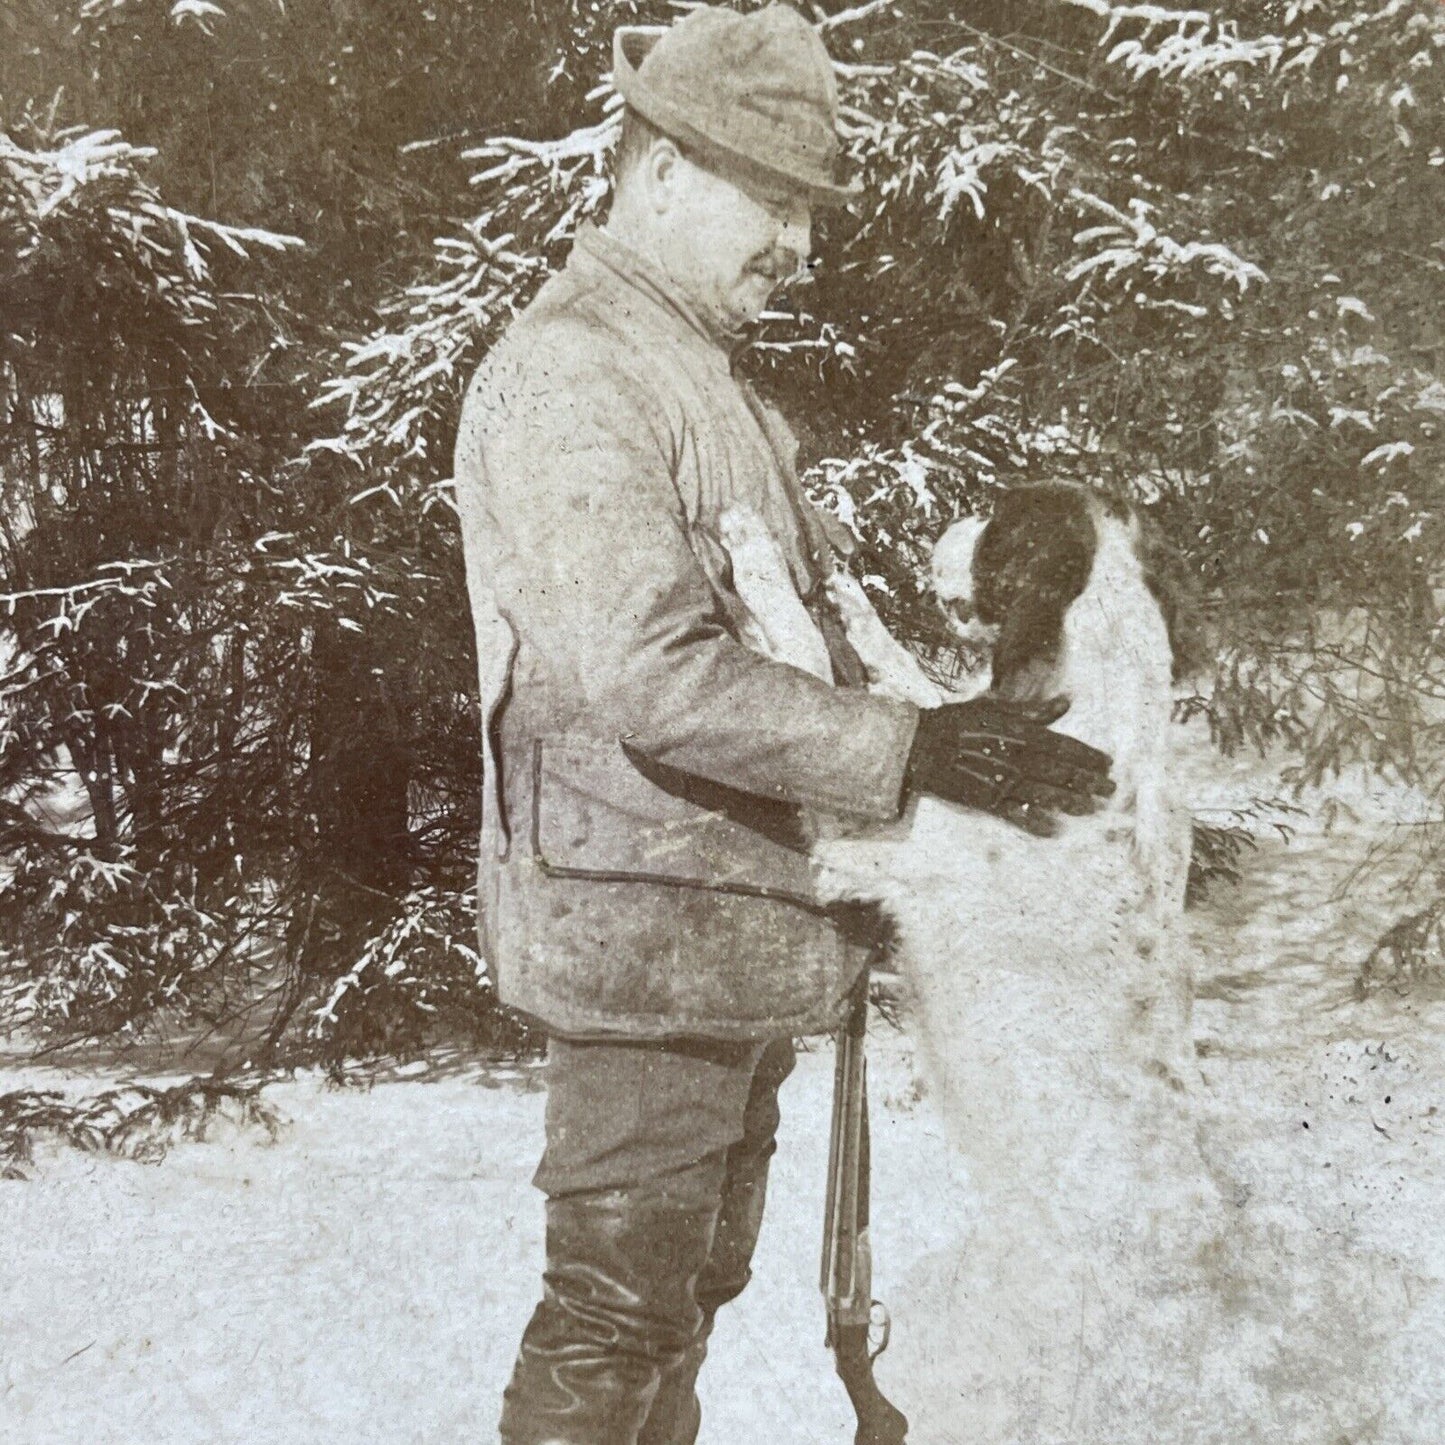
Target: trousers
{"x":655,"y":1175}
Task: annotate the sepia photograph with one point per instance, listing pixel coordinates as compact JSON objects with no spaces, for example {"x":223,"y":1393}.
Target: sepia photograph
{"x":722,"y":723}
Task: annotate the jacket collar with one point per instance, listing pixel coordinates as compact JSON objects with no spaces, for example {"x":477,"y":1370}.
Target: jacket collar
{"x":650,"y":281}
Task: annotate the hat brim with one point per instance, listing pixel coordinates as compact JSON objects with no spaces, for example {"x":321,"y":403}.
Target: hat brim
{"x":712,"y":149}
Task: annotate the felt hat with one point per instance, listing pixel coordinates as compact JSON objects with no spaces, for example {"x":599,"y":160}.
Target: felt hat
{"x":753,"y":91}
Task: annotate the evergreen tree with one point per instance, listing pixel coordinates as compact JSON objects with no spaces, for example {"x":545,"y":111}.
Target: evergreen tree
{"x":1190,"y":255}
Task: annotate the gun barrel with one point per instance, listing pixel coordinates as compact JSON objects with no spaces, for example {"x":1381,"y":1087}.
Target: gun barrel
{"x":847,"y":1272}
{"x":845,"y":1284}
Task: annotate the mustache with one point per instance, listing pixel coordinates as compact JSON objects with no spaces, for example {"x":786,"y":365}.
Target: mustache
{"x":778,"y":266}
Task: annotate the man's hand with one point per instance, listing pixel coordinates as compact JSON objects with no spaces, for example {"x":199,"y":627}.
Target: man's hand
{"x":1002,"y":758}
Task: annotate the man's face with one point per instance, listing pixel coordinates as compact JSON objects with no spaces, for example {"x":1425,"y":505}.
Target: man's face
{"x":730,"y":244}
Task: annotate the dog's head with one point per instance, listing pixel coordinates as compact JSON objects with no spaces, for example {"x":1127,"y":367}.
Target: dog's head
{"x":953,"y":583}
{"x":1007,"y":582}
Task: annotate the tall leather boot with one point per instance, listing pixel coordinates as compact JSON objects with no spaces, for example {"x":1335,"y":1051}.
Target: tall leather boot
{"x":676,"y":1414}
{"x":618,"y":1313}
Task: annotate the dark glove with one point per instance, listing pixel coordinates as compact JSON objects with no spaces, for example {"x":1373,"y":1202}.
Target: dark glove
{"x":1002,"y":757}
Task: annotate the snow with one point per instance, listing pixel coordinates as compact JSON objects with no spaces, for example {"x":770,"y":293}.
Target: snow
{"x":358,"y":1280}
{"x":366,"y":1277}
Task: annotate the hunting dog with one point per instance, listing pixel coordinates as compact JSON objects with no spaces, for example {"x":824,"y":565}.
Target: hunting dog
{"x":1047,"y":998}
{"x":1055,"y":589}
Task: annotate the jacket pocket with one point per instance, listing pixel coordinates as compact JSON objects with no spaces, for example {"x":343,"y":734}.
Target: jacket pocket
{"x":601,"y":812}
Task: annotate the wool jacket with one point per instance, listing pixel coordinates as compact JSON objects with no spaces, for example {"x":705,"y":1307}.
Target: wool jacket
{"x":643,"y":870}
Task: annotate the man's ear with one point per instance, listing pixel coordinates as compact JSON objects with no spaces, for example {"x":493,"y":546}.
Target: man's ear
{"x":662,"y":171}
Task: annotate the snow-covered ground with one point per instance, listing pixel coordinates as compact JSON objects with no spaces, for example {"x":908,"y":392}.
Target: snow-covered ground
{"x":365,"y":1277}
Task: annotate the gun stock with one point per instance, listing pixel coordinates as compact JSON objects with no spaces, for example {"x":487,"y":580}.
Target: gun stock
{"x":847,"y":1273}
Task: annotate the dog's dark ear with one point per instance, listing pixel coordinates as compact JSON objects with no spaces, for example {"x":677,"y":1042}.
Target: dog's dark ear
{"x":1179,"y":597}
{"x":1028,"y":643}
{"x":1031,"y":564}
{"x":1039,"y":544}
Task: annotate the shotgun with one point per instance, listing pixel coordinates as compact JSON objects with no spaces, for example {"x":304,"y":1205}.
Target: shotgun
{"x":854,"y":1316}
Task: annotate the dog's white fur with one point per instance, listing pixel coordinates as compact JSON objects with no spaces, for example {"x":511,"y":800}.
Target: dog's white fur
{"x":961,"y":884}
{"x":1047,"y":999}
{"x":778,"y":624}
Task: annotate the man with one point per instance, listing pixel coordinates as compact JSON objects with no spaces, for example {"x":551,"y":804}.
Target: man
{"x":645,"y":890}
